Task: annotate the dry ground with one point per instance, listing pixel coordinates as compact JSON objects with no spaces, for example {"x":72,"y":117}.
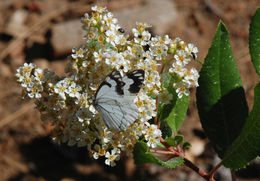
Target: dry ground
{"x":26,"y":152}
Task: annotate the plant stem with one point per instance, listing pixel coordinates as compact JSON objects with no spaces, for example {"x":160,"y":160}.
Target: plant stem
{"x":213,"y":171}
{"x":162,"y":152}
{"x":233,"y":175}
{"x":188,"y":163}
{"x":198,"y":60}
{"x":191,"y":165}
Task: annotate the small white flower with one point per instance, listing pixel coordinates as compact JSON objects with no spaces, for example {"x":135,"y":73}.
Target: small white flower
{"x":61,"y":88}
{"x":111,"y":37}
{"x":165,"y":97}
{"x":181,"y":89}
{"x":35,"y":91}
{"x":141,"y":38}
{"x":78,"y":53}
{"x":191,"y":48}
{"x":98,"y":56}
{"x":111,"y":157}
{"x":39,"y":74}
{"x":109,"y":19}
{"x":182,"y":57}
{"x":73,"y":90}
{"x":99,"y":9}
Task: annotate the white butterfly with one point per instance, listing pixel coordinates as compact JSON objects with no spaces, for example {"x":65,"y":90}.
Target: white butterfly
{"x":114,"y":99}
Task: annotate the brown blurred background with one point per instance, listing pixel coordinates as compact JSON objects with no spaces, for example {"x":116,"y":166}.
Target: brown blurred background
{"x":45,"y":31}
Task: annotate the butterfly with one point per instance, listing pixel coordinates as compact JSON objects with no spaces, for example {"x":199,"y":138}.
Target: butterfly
{"x":114,"y":99}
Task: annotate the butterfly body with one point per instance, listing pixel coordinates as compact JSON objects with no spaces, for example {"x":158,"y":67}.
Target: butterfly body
{"x":114,"y":99}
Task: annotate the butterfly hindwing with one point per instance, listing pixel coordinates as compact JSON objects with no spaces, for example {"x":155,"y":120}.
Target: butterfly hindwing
{"x":114,"y":99}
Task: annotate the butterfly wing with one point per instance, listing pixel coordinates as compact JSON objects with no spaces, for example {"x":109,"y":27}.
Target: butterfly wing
{"x":114,"y":99}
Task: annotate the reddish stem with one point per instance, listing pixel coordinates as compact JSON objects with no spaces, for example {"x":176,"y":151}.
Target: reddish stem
{"x":162,"y":152}
{"x":188,"y":163}
{"x":213,"y":171}
{"x":233,"y":175}
{"x":203,"y":174}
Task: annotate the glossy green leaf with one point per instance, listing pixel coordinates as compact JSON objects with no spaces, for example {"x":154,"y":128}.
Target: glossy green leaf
{"x":178,"y":113}
{"x":143,"y":155}
{"x":247,"y":146}
{"x":220,"y":96}
{"x":254,"y":40}
{"x":173,"y":114}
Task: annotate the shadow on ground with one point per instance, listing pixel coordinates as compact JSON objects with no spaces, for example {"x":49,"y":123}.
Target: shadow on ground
{"x":53,"y":162}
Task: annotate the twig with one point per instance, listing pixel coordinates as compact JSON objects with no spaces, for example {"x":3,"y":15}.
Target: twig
{"x":218,"y":12}
{"x":191,"y":165}
{"x":16,"y":114}
{"x":187,"y":162}
{"x":233,"y":175}
{"x":168,"y":147}
{"x":14,"y":164}
{"x":162,"y":152}
{"x":213,"y":171}
{"x":9,"y":93}
{"x":43,"y":22}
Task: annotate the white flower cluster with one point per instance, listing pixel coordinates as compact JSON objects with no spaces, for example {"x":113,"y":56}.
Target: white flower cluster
{"x":182,"y":57}
{"x":32,"y":79}
{"x":67,"y":103}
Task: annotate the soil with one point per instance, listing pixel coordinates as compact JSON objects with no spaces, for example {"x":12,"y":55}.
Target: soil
{"x":26,"y":150}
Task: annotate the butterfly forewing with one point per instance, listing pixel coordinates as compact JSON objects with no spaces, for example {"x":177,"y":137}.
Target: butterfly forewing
{"x":114,"y":99}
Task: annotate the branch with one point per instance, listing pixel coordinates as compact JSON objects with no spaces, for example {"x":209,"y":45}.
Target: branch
{"x":233,"y":175}
{"x":187,"y":162}
{"x":213,"y":171}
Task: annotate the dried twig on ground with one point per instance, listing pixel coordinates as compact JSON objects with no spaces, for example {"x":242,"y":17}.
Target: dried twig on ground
{"x":44,"y":21}
{"x":215,"y":9}
{"x":27,"y":107}
{"x":14,"y":164}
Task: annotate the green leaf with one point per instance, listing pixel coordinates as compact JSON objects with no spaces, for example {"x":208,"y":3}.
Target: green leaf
{"x":175,"y":112}
{"x":175,"y":141}
{"x":167,"y":80}
{"x":165,"y":128}
{"x":247,"y":146}
{"x":220,"y":96}
{"x":178,"y":139}
{"x":170,"y":141}
{"x":178,"y":113}
{"x":254,"y":40}
{"x":186,"y":146}
{"x":143,"y":155}
{"x":172,"y":115}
